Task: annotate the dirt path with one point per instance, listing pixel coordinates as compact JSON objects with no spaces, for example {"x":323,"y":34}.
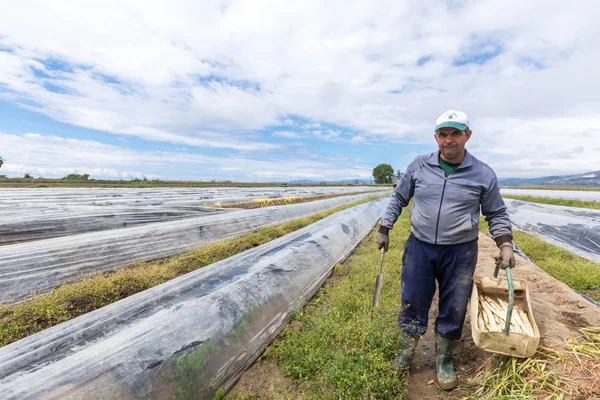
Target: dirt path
{"x":559,"y":312}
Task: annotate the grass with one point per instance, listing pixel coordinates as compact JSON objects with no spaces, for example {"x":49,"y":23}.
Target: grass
{"x":538,"y":377}
{"x":92,"y":292}
{"x":543,"y":376}
{"x":595,"y":205}
{"x":339,"y":346}
{"x":588,"y":345}
{"x":576,"y":272}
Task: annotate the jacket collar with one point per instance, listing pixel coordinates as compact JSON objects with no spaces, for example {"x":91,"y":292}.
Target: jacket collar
{"x":434,"y":159}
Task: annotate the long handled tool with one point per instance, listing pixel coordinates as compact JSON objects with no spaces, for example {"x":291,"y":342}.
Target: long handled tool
{"x":378,"y":282}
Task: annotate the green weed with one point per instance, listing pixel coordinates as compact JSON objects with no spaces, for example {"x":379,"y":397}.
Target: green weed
{"x":339,"y":345}
{"x":189,"y":368}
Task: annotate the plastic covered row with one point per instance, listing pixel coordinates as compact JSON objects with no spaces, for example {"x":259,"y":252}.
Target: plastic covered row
{"x":63,"y":224}
{"x":34,"y":214}
{"x":41,"y":265}
{"x":585,"y":195}
{"x":570,"y":228}
{"x":192,"y":336}
{"x":62,"y":198}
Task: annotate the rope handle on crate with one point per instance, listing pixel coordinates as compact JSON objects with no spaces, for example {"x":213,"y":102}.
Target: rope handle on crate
{"x":511,"y":297}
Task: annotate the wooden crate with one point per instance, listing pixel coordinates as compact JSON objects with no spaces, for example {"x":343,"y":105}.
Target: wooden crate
{"x":511,"y":344}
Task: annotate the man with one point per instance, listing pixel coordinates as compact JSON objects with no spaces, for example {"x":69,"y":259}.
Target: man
{"x":1,"y":161}
{"x":449,"y":188}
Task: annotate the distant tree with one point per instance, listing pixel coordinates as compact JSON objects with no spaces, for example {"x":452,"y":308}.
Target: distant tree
{"x":27,"y":176}
{"x":77,"y":177}
{"x":383,"y":173}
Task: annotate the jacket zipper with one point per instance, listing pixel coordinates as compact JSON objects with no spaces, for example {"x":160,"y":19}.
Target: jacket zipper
{"x":437,"y":224}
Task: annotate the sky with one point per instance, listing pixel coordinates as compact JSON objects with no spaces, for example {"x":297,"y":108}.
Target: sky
{"x":255,"y":91}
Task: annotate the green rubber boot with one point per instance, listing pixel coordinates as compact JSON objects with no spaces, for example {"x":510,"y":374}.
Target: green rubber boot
{"x":408,"y":343}
{"x":446,"y":377}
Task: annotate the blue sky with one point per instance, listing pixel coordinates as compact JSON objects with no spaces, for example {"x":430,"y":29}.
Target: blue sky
{"x":278,"y":91}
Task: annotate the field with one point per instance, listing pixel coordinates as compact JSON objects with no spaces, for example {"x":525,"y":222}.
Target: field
{"x":92,"y":292}
{"x":148,"y":183}
{"x":571,"y":194}
{"x":594,"y":205}
{"x":555,"y":188}
{"x":338,"y":346}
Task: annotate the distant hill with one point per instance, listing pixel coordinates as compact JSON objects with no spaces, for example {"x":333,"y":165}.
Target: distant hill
{"x":587,"y":179}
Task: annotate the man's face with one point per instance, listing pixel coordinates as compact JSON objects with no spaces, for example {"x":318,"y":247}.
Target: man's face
{"x":451,"y":142}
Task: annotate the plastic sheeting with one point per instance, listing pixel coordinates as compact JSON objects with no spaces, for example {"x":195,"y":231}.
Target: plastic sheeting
{"x":65,"y":225}
{"x":570,"y":228}
{"x":190,"y":336}
{"x":522,"y":254}
{"x":33,"y":214}
{"x":41,"y":265}
{"x":555,"y":194}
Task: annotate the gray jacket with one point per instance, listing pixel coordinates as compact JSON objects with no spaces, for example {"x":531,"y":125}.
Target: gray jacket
{"x":446,"y":210}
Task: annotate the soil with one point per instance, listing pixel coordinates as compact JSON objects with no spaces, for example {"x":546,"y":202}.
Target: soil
{"x":559,"y":313}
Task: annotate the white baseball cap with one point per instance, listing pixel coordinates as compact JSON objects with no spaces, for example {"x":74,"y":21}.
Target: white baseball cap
{"x":453,"y":119}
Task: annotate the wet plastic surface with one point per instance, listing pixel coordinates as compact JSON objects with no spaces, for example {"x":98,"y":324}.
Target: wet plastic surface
{"x":43,"y":264}
{"x":555,"y":194}
{"x":28,"y":230}
{"x":573,"y":229}
{"x":34,"y":214}
{"x":192,"y":335}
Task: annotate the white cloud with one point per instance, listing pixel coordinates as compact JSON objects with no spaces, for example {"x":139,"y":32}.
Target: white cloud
{"x":54,"y":157}
{"x":213,"y":74}
{"x":287,"y":134}
{"x":313,"y":125}
{"x":359,"y":139}
{"x":516,"y":147}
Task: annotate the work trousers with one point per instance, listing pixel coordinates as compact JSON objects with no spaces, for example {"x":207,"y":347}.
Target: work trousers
{"x":453,"y":267}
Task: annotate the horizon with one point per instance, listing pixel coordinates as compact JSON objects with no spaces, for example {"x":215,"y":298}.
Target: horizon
{"x":264,"y":91}
{"x":357,"y":181}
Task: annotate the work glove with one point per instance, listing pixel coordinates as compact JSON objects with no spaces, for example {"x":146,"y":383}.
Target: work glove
{"x":507,"y":257}
{"x":383,"y":241}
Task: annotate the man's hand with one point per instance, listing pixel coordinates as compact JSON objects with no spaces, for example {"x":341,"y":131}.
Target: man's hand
{"x":507,"y":256}
{"x":383,"y":241}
